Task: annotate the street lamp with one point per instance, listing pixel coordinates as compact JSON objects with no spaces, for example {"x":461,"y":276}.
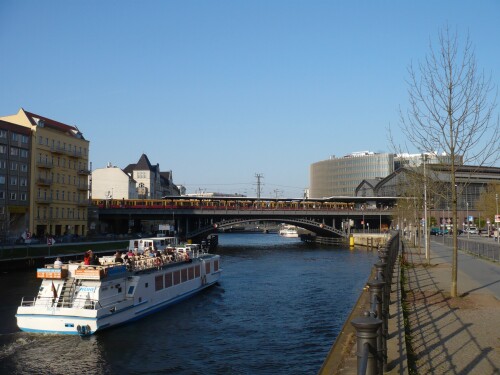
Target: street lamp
{"x":426,"y":235}
{"x":468,"y":225}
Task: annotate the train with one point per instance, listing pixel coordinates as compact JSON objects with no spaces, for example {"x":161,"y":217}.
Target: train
{"x":220,"y":203}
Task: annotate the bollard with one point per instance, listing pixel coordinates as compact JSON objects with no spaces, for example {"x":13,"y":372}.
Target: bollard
{"x":366,"y":333}
{"x":376,"y":289}
{"x":380,"y":267}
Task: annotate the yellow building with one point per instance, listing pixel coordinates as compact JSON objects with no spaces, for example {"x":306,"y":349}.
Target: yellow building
{"x":59,"y":176}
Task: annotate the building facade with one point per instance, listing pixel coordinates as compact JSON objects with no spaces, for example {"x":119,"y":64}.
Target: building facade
{"x":471,"y":181}
{"x":112,"y":183}
{"x":141,"y":180}
{"x":58,"y":188}
{"x":15,"y":155}
{"x":341,"y":176}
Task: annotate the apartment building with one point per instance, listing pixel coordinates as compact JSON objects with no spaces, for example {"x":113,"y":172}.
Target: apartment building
{"x":58,"y":170}
{"x":15,"y":152}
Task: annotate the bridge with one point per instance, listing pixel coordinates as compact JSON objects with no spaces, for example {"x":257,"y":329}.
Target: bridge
{"x":197,"y":217}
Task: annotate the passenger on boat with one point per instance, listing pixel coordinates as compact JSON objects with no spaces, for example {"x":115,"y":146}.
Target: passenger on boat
{"x":58,"y":263}
{"x":118,"y":257}
{"x":94,"y":260}
{"x":87,"y":257}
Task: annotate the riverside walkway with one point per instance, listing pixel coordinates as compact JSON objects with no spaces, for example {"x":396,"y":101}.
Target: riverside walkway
{"x":458,"y":335}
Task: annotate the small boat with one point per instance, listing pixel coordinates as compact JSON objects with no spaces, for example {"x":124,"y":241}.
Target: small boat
{"x":79,"y":299}
{"x":288,"y":231}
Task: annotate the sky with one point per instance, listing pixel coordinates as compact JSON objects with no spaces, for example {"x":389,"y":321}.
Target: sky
{"x":220,"y":91}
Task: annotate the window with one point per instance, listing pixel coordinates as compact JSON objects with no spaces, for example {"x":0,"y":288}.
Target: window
{"x":13,"y":180}
{"x":24,"y":139}
{"x":13,"y":166}
{"x":23,"y":196}
{"x":15,"y":137}
{"x":24,"y":153}
{"x":40,"y":140}
{"x":2,"y":194}
{"x":3,"y":164}
{"x":24,"y":167}
{"x":2,"y":179}
{"x":3,"y":149}
{"x":14,"y":151}
{"x":3,"y":133}
{"x":13,"y":196}
{"x":23,"y":181}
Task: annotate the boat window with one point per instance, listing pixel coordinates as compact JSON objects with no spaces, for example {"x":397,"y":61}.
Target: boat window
{"x":216,"y":265}
{"x":197,"y":271}
{"x":168,"y":279}
{"x":184,"y":274}
{"x":177,"y":277}
{"x":159,"y":282}
{"x":207,"y":268}
{"x":191,"y":273}
{"x":131,"y":289}
{"x":146,"y":285}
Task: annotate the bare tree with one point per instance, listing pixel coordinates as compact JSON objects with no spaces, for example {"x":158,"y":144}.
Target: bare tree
{"x":451,"y":107}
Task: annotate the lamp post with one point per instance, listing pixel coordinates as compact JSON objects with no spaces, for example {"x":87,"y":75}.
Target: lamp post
{"x":426,"y":235}
{"x":468,"y":226}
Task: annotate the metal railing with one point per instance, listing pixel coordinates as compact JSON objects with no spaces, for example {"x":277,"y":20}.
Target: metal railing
{"x":372,"y":327}
{"x":482,"y":249}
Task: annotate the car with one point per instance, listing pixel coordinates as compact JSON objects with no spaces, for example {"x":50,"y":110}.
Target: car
{"x":471,"y":230}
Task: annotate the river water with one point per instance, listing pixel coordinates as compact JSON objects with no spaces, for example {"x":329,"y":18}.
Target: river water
{"x":277,"y":310}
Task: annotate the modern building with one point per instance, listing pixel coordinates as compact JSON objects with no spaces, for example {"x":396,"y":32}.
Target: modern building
{"x":58,"y":186}
{"x":15,"y":155}
{"x":141,"y":180}
{"x":341,"y":176}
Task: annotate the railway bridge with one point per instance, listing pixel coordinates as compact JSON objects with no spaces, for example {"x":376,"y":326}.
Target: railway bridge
{"x":197,"y":217}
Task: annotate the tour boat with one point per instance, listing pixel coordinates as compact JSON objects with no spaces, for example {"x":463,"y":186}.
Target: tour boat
{"x":79,"y":299}
{"x":288,"y":231}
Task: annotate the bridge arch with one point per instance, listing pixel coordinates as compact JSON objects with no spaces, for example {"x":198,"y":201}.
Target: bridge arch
{"x":318,"y":228}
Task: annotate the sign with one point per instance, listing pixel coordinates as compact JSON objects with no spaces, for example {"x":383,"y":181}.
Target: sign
{"x":497,"y":218}
{"x":51,"y":273}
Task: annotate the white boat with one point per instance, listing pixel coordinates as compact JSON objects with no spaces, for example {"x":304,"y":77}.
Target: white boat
{"x":79,"y":299}
{"x":288,"y":231}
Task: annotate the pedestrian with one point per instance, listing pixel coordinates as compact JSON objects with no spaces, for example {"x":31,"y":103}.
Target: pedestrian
{"x":58,"y":263}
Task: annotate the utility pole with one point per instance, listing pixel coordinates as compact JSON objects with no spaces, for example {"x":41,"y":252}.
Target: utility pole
{"x":258,"y":176}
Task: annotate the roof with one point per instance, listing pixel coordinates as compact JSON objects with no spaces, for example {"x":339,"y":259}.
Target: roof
{"x":47,"y":122}
{"x":14,"y":127}
{"x":142,"y":165}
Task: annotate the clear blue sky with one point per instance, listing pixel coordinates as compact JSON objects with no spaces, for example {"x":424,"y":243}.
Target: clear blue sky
{"x":217,"y":91}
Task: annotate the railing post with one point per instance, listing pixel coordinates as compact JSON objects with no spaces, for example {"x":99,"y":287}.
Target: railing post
{"x":366,"y":333}
{"x":376,"y":292}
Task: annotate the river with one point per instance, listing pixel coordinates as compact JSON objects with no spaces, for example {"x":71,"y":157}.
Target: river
{"x":277,"y":310}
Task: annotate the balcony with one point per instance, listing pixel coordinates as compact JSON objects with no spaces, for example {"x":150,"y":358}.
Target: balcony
{"x":43,"y":200}
{"x":83,"y":187}
{"x":44,"y":164}
{"x":84,"y":172}
{"x":57,"y":150}
{"x":74,"y":153}
{"x":44,"y":181}
{"x":83,"y":203}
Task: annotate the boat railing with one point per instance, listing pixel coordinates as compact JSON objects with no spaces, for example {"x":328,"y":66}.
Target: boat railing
{"x":82,"y":303}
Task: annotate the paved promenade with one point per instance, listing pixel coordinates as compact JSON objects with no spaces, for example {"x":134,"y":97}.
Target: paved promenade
{"x":449,"y":335}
